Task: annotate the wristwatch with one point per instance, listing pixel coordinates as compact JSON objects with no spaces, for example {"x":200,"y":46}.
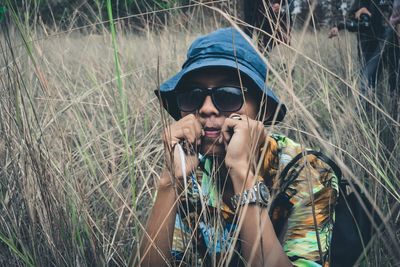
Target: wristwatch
{"x":258,"y":194}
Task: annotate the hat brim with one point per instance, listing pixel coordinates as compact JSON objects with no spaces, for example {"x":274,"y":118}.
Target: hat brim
{"x":168,"y":97}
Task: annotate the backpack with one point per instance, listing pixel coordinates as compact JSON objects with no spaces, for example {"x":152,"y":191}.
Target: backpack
{"x":353,"y":228}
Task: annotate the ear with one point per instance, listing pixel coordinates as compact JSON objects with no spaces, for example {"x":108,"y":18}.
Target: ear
{"x":265,"y":109}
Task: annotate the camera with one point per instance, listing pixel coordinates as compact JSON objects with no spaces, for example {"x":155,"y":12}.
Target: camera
{"x":354,"y":25}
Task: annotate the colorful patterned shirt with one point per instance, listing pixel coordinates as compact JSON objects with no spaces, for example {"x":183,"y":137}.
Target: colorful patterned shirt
{"x":205,"y":227}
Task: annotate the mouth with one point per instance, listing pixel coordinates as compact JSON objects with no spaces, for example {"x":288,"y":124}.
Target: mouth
{"x":211,"y":132}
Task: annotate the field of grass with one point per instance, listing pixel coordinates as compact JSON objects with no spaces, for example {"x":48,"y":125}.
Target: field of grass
{"x":80,"y":142}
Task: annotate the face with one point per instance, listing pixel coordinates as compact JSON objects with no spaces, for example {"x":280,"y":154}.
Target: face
{"x":209,"y":116}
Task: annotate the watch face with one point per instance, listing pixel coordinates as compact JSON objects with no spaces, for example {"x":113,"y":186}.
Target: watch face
{"x":264,"y":193}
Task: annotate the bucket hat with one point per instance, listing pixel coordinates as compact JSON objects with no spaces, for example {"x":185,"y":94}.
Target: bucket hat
{"x":223,"y":48}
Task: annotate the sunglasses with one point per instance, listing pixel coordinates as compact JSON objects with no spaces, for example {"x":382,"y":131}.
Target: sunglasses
{"x":224,"y":98}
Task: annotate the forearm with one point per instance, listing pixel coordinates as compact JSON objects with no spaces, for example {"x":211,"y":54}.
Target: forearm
{"x":259,"y":243}
{"x":260,"y":246}
{"x":335,"y":15}
{"x":157,"y":241}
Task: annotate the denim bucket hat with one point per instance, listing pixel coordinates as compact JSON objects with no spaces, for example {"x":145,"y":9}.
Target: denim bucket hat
{"x":223,"y":48}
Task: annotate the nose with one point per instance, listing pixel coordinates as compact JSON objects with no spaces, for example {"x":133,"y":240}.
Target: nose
{"x":208,"y":108}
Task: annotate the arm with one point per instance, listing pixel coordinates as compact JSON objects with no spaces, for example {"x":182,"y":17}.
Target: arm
{"x":156,"y":244}
{"x":361,"y":7}
{"x":276,"y":6}
{"x":335,"y":14}
{"x":259,"y":243}
{"x":395,"y":16}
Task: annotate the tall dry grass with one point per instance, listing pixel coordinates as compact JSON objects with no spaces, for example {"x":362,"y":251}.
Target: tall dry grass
{"x":80,"y":147}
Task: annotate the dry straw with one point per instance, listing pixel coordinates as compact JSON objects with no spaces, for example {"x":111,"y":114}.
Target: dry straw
{"x":80,"y":131}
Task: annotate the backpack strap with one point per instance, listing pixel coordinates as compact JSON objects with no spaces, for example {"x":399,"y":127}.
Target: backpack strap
{"x":352,"y":228}
{"x":281,"y":205}
{"x":284,"y":183}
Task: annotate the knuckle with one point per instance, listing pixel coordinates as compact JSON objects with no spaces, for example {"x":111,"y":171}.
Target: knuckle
{"x":198,"y":125}
{"x":193,"y":124}
{"x":186,"y":131}
{"x":190,"y":117}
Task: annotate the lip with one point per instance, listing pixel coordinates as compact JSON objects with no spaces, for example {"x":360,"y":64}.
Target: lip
{"x":212,"y":132}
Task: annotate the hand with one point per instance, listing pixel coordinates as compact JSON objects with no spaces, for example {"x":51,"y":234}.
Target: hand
{"x":242,"y":139}
{"x":333,"y":32}
{"x":276,"y":8}
{"x":187,"y":131}
{"x":361,"y":11}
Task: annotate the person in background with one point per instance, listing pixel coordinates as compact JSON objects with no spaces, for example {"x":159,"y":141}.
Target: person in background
{"x":336,"y":15}
{"x":222,"y":170}
{"x":378,"y":46}
{"x":272,"y":17}
{"x":395,"y":17}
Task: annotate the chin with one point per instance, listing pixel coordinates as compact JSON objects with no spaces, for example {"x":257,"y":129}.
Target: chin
{"x":211,"y":148}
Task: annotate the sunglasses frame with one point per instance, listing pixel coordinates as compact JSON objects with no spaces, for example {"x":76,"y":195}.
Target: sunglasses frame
{"x":209,"y":92}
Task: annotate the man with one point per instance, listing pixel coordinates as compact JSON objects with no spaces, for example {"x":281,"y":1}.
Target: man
{"x":336,"y":15}
{"x":378,"y":47}
{"x":395,"y":17}
{"x":222,"y":170}
{"x":273,"y":17}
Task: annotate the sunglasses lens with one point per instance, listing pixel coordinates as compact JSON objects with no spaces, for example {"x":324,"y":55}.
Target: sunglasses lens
{"x":191,"y":100}
{"x":228,"y":99}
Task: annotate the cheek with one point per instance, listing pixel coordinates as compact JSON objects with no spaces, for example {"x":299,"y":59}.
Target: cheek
{"x":249,"y":109}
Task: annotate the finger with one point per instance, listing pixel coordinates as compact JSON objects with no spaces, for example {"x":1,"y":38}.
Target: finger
{"x":194,"y":123}
{"x":174,"y":133}
{"x":190,"y":118}
{"x":258,"y":133}
{"x":198,"y":131}
{"x":179,"y":134}
{"x":183,"y":131}
{"x":229,"y":128}
{"x":187,"y":141}
{"x":198,"y":128}
{"x":173,"y":142}
{"x":169,"y":137}
{"x":194,"y":135}
{"x":253,"y":127}
{"x":226,"y":136}
{"x":191,"y":162}
{"x":189,"y":134}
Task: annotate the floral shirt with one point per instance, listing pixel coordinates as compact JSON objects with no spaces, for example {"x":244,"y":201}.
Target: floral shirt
{"x":303,"y":214}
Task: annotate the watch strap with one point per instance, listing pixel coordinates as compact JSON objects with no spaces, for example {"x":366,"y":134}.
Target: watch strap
{"x":252,"y":196}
